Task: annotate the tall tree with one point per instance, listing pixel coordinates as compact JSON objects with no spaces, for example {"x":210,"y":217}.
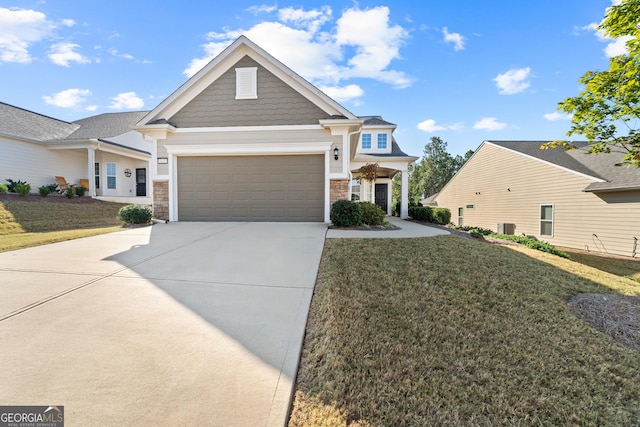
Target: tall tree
{"x":439,"y":166}
{"x":607,"y":110}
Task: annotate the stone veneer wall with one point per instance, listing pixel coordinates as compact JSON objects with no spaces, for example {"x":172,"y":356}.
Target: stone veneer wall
{"x":338,"y":190}
{"x":161,"y":200}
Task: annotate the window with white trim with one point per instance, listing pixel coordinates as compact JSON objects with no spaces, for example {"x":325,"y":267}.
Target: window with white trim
{"x":366,"y":141}
{"x":382,"y":141}
{"x":546,"y":220}
{"x":111,"y":176}
{"x":247,"y":83}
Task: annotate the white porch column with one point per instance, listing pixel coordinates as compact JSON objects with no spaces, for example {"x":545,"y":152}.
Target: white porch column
{"x":404,"y":199}
{"x":91,"y":160}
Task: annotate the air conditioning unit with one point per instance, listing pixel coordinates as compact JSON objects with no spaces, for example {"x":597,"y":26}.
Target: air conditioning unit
{"x":506,"y":228}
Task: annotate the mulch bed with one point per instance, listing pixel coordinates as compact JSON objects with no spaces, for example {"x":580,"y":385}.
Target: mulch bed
{"x":51,"y":198}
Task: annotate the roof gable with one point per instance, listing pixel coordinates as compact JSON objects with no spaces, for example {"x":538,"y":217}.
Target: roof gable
{"x":600,"y":168}
{"x":276,"y":104}
{"x":225,"y":61}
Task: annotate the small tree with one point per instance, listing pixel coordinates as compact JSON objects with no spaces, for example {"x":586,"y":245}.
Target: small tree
{"x":368,"y":172}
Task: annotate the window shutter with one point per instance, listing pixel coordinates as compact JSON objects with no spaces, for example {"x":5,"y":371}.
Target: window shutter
{"x":247,"y":83}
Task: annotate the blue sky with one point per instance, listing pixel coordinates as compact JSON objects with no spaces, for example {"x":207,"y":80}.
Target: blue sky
{"x":463,"y":70}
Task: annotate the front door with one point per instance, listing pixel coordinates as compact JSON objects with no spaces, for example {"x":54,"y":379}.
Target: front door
{"x":141,"y":182}
{"x":381,"y":196}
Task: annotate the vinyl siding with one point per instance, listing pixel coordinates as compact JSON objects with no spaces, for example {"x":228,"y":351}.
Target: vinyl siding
{"x":277,"y":104}
{"x":606,"y":223}
{"x":35,"y":163}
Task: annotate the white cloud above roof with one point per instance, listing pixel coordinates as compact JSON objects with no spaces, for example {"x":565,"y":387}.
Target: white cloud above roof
{"x":513,"y":81}
{"x":19,"y":28}
{"x":454,"y":38}
{"x":126,"y":101}
{"x":69,"y":98}
{"x":64,"y":53}
{"x":343,"y":93}
{"x":360,"y":43}
{"x":489,"y":123}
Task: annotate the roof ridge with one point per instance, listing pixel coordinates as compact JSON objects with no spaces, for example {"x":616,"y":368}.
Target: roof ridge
{"x":37,"y":114}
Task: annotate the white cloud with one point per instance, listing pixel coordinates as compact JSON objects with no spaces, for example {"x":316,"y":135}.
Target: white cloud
{"x":489,"y":123}
{"x":263,"y":8}
{"x":69,"y":98}
{"x":557,"y":115}
{"x":64,"y":53}
{"x":68,"y":22}
{"x":361,"y":43}
{"x":455,"y":38}
{"x":430,"y":126}
{"x":19,"y":28}
{"x":617,"y":47}
{"x":513,"y":81}
{"x":91,"y":107}
{"x":344,"y":93}
{"x":126,"y":101}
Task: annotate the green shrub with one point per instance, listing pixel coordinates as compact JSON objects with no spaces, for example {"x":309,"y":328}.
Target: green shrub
{"x":421,"y":213}
{"x":345,"y":213}
{"x":70,"y":192}
{"x":476,"y":234}
{"x":11,"y":188}
{"x":533,"y":243}
{"x":52,"y":188}
{"x":3,"y":188}
{"x":135,"y":214}
{"x":44,"y":190}
{"x":371,"y":213}
{"x":441,"y":216}
{"x":484,"y":231}
{"x":22,"y":189}
{"x":80,"y":191}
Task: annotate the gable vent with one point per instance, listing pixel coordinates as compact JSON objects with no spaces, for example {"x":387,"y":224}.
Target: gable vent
{"x":247,"y":83}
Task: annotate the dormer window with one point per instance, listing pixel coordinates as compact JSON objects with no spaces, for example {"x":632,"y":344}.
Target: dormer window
{"x":366,"y":141}
{"x":247,"y":83}
{"x":382,"y":141}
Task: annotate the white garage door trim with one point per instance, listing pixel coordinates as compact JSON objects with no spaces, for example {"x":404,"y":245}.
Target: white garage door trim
{"x":174,"y":151}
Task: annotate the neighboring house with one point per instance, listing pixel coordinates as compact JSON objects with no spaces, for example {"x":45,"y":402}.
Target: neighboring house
{"x":103,"y":149}
{"x":247,"y":139}
{"x":567,"y":198}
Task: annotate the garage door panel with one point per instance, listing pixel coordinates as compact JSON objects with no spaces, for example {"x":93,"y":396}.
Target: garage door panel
{"x":251,"y":188}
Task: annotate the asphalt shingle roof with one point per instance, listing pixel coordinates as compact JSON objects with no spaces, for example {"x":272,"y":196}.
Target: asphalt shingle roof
{"x":602,"y":166}
{"x":106,"y":125}
{"x":23,"y":123}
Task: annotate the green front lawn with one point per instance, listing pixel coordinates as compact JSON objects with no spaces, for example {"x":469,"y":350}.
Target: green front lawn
{"x":449,"y":331}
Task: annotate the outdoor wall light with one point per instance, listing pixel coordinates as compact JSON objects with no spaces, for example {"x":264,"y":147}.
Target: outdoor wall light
{"x":336,"y":153}
{"x":127,"y":172}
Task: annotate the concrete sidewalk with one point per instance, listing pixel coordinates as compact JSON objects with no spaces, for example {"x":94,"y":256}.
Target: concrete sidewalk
{"x":407,"y":229}
{"x":175,"y":324}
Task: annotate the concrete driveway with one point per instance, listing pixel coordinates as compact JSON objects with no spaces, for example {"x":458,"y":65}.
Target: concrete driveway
{"x":175,"y":324}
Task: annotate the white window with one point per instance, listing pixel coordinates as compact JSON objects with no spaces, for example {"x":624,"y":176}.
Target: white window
{"x":247,"y":83}
{"x":546,"y":220}
{"x":111,"y":176}
{"x":366,"y":141}
{"x":355,"y":190}
{"x":382,"y":141}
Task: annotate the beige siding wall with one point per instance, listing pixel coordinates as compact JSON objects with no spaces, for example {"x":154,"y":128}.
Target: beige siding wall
{"x":36,"y":164}
{"x":277,"y":104}
{"x":507,"y":187}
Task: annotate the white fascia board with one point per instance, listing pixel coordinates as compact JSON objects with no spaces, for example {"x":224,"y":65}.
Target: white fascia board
{"x":262,"y":129}
{"x":248,"y":149}
{"x":591,"y":177}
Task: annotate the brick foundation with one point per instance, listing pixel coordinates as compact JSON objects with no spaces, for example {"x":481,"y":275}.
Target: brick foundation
{"x":161,"y":200}
{"x":338,"y":190}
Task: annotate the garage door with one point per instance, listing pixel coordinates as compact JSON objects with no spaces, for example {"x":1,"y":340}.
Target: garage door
{"x":251,"y":188}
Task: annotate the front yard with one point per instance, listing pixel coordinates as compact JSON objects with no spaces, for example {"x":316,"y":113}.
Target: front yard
{"x":454,"y":331}
{"x":33,"y":220}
